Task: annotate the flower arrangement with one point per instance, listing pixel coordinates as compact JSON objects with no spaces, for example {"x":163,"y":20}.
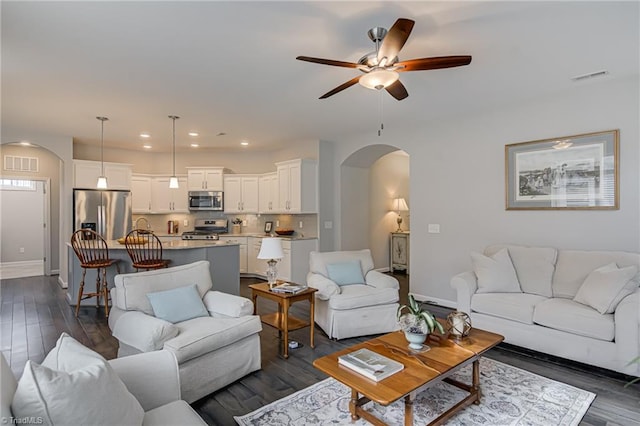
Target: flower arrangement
{"x":237,"y":221}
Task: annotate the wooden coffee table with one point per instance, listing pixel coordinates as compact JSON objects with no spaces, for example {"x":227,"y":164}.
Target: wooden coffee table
{"x":421,"y":370}
{"x":281,"y":319}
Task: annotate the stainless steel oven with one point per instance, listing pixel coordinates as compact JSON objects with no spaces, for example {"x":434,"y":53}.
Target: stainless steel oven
{"x":206,"y":200}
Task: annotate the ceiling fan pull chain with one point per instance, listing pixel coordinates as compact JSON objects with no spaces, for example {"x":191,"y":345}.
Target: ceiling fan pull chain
{"x":381,"y":113}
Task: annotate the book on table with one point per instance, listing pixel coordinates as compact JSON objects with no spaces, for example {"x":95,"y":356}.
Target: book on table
{"x":288,"y":288}
{"x":370,"y":364}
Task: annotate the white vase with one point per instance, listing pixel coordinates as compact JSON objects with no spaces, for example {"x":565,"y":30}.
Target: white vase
{"x":415,"y":339}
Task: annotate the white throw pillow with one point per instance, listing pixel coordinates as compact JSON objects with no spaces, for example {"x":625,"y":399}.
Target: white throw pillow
{"x":496,"y":273}
{"x":606,"y":286}
{"x":69,"y":355}
{"x":92,"y":395}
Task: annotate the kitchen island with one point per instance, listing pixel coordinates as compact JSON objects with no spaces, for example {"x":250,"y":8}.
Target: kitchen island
{"x":222,"y":256}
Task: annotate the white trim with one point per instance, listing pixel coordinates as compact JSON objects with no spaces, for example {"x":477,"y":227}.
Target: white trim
{"x":25,"y":268}
{"x":62,"y":283}
{"x":435,"y":300}
{"x":383,"y":270}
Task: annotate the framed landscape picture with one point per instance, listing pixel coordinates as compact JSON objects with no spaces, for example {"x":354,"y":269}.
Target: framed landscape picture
{"x":567,"y":173}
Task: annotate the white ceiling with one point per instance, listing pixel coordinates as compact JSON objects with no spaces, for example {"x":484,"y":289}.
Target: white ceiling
{"x":230,"y":66}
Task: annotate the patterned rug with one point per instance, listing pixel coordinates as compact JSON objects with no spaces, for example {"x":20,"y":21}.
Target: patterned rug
{"x":510,"y":396}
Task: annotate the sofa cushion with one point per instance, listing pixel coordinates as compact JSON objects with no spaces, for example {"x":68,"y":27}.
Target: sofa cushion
{"x":534,"y":266}
{"x":512,"y":306}
{"x":178,"y":304}
{"x":606,"y":286}
{"x":69,"y":355}
{"x":346,"y":273}
{"x":360,"y":296}
{"x":202,"y":335}
{"x":174,"y":413}
{"x":573,"y":317}
{"x":131,"y":289}
{"x":318,"y":261}
{"x":496,"y":273}
{"x":573,"y":267}
{"x":93,"y":392}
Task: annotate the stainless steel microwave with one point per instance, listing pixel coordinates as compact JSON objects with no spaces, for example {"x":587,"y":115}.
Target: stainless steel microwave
{"x":206,"y":200}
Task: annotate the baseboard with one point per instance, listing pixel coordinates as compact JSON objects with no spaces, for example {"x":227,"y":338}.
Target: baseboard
{"x":435,"y":301}
{"x":27,"y":268}
{"x":62,"y":283}
{"x":385,"y":269}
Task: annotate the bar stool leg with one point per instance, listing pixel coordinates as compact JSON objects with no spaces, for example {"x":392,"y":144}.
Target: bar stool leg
{"x":105,"y":291}
{"x":98,"y":288}
{"x":80,"y":291}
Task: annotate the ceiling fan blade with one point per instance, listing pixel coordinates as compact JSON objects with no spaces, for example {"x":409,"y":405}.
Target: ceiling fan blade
{"x":341,"y":87}
{"x":437,"y":62}
{"x":397,"y":90}
{"x":327,"y":62}
{"x":395,"y":39}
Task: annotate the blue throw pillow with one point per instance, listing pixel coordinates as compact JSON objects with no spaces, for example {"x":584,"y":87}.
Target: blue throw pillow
{"x":345,"y":273}
{"x":177,"y":305}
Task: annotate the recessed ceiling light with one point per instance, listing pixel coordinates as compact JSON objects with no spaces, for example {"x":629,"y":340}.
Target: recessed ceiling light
{"x":146,"y":146}
{"x":194,"y":145}
{"x":244,"y":143}
{"x":145,"y":135}
{"x":194,"y":134}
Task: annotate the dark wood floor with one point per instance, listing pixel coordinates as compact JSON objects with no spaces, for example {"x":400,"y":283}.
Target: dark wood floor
{"x":34,"y":312}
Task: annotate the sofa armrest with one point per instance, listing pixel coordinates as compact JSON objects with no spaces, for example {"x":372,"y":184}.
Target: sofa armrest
{"x":142,"y":331}
{"x":627,"y":337}
{"x":380,"y":280}
{"x":326,"y":287}
{"x":152,"y":377}
{"x":221,"y":304}
{"x":465,"y":285}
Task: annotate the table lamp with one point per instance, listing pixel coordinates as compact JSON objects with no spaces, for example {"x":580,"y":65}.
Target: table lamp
{"x":271,"y":249}
{"x":400,"y":205}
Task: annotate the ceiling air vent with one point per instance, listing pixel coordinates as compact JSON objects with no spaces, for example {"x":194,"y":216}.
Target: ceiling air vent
{"x":589,"y":76}
{"x":20,"y":164}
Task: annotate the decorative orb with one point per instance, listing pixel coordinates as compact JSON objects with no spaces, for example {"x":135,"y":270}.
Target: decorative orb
{"x":458,"y":324}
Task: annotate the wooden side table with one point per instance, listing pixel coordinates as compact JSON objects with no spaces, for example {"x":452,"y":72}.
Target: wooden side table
{"x":281,"y":319}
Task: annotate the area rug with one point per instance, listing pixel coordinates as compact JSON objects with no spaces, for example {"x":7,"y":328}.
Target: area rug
{"x":510,"y":396}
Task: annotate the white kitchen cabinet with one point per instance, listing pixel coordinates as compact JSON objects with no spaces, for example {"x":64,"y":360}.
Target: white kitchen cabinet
{"x":240,"y":194}
{"x":141,"y":194}
{"x":205,"y":179}
{"x":284,"y":265}
{"x":168,"y":200}
{"x":86,"y":173}
{"x":297,"y":186}
{"x":242,"y":242}
{"x":255,"y":266}
{"x":268,"y":193}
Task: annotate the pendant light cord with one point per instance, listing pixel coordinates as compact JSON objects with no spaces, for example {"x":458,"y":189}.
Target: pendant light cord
{"x":102,"y":120}
{"x":174,"y":118}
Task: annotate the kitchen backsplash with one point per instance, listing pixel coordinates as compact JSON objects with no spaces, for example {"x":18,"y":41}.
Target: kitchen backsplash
{"x":254,"y":223}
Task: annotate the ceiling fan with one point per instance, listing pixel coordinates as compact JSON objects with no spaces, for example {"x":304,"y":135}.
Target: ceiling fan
{"x":381,"y":67}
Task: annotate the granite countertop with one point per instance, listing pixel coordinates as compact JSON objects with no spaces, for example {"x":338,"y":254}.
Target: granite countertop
{"x":174,"y":244}
{"x":263,"y":235}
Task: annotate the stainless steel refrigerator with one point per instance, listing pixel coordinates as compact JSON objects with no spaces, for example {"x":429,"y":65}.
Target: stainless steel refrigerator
{"x":106,"y":212}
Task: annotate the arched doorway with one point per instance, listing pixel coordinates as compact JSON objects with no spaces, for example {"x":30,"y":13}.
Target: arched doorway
{"x":370,"y":179}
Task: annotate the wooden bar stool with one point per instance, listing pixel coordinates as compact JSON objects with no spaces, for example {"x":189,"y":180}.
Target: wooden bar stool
{"x":145,"y":250}
{"x":93,"y":253}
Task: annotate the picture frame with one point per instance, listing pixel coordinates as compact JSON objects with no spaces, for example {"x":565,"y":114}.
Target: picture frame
{"x":577,"y":172}
{"x":268,"y":227}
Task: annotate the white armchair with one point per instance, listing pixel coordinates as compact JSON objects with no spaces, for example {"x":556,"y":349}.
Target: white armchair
{"x":361,"y":307}
{"x":212,"y":351}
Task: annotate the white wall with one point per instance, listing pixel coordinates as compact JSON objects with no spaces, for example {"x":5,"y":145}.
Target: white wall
{"x":457,"y":181}
{"x":388,"y":179}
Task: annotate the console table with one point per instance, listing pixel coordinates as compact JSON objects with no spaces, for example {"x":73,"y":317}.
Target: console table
{"x":399,"y":251}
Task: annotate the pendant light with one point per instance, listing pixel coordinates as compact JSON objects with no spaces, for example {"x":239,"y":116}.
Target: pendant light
{"x":173,"y":182}
{"x":102,"y":179}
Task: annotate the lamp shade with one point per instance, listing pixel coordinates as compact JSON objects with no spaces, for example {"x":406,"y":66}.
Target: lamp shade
{"x":271,"y":248}
{"x":378,"y":78}
{"x":400,"y":205}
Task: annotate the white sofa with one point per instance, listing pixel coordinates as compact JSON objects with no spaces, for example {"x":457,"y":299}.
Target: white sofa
{"x":151,"y":378}
{"x":353,"y":310}
{"x":212,"y":351}
{"x":542,"y":315}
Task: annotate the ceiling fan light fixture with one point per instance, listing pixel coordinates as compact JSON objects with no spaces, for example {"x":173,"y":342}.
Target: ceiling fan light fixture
{"x":379,"y":78}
